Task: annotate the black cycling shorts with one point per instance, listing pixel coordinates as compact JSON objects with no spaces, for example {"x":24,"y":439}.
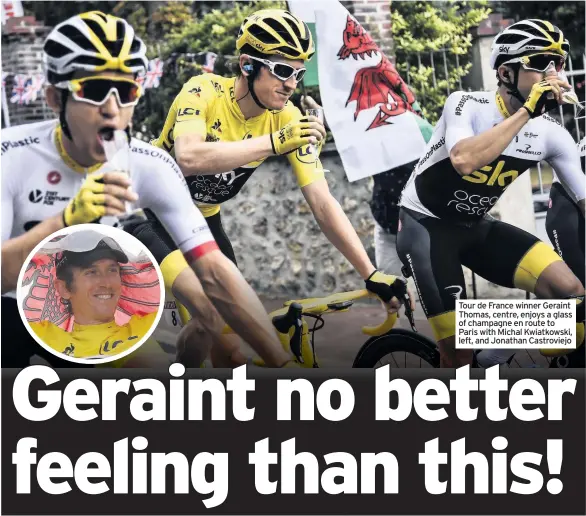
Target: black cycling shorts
{"x":155,"y":237}
{"x":434,"y":250}
{"x":565,"y":227}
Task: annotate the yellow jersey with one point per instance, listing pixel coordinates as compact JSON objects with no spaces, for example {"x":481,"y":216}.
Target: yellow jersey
{"x":206,"y":105}
{"x":96,"y":340}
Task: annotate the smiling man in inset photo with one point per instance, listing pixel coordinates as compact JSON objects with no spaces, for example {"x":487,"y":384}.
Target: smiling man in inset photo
{"x":88,"y":280}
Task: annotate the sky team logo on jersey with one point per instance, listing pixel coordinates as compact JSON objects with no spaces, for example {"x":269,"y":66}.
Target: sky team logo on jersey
{"x":195,"y":91}
{"x":53,"y":177}
{"x":217,"y":126}
{"x":379,"y":85}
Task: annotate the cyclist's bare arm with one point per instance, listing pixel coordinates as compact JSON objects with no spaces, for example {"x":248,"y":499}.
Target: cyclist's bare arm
{"x":164,"y":191}
{"x":16,"y":250}
{"x":239,"y":306}
{"x":195,"y":156}
{"x":336,"y":227}
{"x":471,"y":153}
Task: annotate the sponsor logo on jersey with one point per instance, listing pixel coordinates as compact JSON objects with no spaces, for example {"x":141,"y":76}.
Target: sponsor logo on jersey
{"x":53,"y":177}
{"x":466,"y":98}
{"x":472,"y":204}
{"x":195,"y":91}
{"x":35,"y":196}
{"x":527,"y":150}
{"x":429,"y":153}
{"x":530,"y":135}
{"x":218,"y":88}
{"x":107,"y":347}
{"x":187,"y":112}
{"x":306,"y":154}
{"x":217,"y":126}
{"x":69,"y":350}
{"x":20,"y":143}
{"x":497,"y":175}
{"x":551,"y":119}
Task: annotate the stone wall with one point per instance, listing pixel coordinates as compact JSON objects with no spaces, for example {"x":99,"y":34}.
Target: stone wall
{"x":279,"y":246}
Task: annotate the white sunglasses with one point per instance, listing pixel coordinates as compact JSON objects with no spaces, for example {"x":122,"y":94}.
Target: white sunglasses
{"x":282,"y":71}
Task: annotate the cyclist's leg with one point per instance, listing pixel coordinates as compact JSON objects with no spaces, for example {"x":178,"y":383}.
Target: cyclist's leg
{"x":430,"y":248}
{"x":565,"y":227}
{"x":215,"y":225}
{"x":180,"y":279}
{"x":226,"y":353}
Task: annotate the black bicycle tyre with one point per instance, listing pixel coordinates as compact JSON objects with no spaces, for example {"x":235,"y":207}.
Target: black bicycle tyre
{"x":375,"y":348}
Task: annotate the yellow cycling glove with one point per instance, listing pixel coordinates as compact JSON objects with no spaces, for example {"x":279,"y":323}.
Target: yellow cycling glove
{"x":88,"y":205}
{"x":538,"y":102}
{"x":291,"y":137}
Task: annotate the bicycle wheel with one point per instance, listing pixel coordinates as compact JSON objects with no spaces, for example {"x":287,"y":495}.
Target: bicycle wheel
{"x":398,"y":348}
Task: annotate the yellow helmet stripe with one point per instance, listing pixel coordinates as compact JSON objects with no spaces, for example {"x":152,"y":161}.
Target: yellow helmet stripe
{"x":109,"y":26}
{"x":548,"y":25}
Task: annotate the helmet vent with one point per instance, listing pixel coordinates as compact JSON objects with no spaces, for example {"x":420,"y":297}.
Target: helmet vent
{"x":56,"y":50}
{"x":77,"y":37}
{"x":262,"y":34}
{"x":88,"y":60}
{"x":281,"y":31}
{"x":510,"y":39}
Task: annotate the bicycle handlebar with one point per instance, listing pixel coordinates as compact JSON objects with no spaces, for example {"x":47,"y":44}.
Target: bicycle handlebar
{"x":285,"y":318}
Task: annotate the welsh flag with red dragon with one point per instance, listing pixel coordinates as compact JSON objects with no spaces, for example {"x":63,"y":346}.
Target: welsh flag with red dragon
{"x":369,"y":108}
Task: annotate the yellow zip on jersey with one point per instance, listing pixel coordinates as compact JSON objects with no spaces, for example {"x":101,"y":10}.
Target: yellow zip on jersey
{"x":207,"y":106}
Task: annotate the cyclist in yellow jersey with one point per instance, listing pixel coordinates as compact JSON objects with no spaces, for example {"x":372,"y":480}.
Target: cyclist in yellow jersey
{"x":221,"y":129}
{"x":90,"y":284}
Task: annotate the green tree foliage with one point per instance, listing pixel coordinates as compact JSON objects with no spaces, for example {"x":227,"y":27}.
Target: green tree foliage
{"x":173,"y":33}
{"x":420,"y":30}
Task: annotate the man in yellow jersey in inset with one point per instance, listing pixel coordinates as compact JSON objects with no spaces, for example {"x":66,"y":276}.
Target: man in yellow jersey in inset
{"x":88,"y":280}
{"x":221,"y":129}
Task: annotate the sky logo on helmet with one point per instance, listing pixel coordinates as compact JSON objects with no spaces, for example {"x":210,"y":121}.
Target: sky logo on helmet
{"x":504,"y":49}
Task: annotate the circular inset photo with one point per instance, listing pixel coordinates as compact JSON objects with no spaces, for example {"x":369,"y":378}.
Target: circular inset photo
{"x":91,"y":294}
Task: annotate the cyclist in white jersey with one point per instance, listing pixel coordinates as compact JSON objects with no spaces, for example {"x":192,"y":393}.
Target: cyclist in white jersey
{"x":481,"y":144}
{"x":51,"y":178}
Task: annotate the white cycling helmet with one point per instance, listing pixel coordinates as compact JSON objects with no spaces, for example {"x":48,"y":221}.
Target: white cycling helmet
{"x":93,"y":42}
{"x":527,"y":37}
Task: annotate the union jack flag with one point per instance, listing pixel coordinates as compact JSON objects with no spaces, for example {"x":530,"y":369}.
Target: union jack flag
{"x":34,"y":86}
{"x":18,"y":89}
{"x":154,"y":74}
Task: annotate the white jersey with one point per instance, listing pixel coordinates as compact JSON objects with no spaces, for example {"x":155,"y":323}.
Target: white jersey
{"x":582,"y":151}
{"x":39,"y":179}
{"x":436,"y":189}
